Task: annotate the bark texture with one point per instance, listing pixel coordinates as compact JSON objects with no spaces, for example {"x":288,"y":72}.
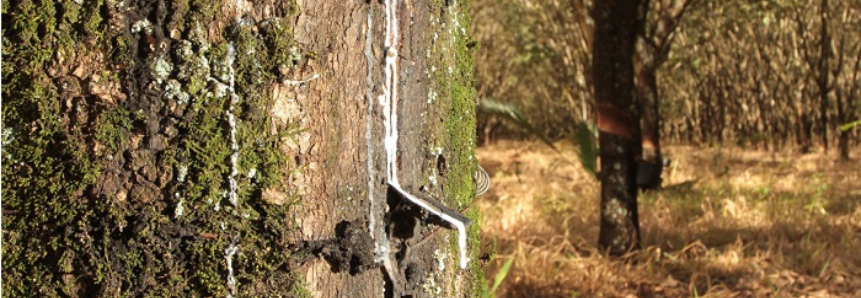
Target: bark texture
{"x":656,"y":24}
{"x":619,"y":137}
{"x":207,"y":148}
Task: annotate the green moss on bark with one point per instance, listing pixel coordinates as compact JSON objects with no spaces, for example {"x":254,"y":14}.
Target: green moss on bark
{"x":47,"y":164}
{"x":256,"y":227}
{"x":112,"y":127}
{"x":452,"y":67}
{"x":62,"y":238}
{"x":453,"y":71}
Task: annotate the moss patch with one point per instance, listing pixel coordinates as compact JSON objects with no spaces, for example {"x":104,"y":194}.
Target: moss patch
{"x":112,"y":127}
{"x":256,"y":227}
{"x":115,"y":197}
{"x":453,"y":72}
{"x":48,"y":153}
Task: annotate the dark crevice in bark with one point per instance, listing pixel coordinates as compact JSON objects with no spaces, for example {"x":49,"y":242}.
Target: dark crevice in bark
{"x":389,"y":286}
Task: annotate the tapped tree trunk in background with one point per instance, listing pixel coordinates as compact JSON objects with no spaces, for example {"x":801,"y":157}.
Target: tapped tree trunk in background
{"x":650,"y":122}
{"x":653,"y":42}
{"x":645,"y":64}
{"x":619,"y":138}
{"x":210,"y":148}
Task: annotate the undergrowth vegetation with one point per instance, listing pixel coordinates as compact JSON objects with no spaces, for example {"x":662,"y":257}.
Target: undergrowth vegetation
{"x":728,"y":223}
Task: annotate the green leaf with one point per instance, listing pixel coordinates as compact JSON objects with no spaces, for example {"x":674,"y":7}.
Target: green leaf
{"x":500,"y":276}
{"x":512,"y":113}
{"x":850,"y":125}
{"x":587,"y":147}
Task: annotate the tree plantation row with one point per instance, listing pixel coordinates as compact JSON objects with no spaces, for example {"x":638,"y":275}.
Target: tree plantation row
{"x":770,"y":74}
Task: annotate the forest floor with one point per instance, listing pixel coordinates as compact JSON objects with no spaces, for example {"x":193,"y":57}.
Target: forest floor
{"x":729,"y":223}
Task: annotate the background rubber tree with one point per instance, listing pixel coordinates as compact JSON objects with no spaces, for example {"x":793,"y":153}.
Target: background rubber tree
{"x":616,"y":26}
{"x":208,"y":148}
{"x":654,"y":39}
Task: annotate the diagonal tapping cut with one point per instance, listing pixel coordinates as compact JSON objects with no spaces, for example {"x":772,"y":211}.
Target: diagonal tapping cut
{"x":456,"y":219}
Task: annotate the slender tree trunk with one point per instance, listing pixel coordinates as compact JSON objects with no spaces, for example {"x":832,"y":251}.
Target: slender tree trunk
{"x":239,"y":148}
{"x":619,"y":139}
{"x":851,"y":106}
{"x":650,"y":124}
{"x":645,"y":62}
{"x":843,"y":139}
{"x":651,"y":121}
{"x":824,"y":72}
{"x":652,"y":46}
{"x":805,"y":131}
{"x":804,"y":123}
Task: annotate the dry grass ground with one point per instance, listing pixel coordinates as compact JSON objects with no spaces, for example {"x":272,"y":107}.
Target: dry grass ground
{"x":753,"y":224}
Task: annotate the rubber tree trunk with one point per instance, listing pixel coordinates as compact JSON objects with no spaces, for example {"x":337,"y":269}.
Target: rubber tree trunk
{"x":236,"y":148}
{"x":850,"y":107}
{"x":646,"y":88}
{"x":619,"y":139}
{"x":843,"y":135}
{"x":645,"y":64}
{"x":654,"y":38}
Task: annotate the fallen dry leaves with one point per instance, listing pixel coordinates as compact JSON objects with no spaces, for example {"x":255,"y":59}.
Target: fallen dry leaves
{"x":754,"y":224}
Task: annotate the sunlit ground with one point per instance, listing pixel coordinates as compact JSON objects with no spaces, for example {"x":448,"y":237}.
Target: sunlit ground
{"x":736,"y":224}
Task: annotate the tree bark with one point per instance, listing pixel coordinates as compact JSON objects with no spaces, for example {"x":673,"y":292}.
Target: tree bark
{"x":619,"y":139}
{"x":645,"y":63}
{"x":232,"y":148}
{"x":823,"y":72}
{"x":650,"y":164}
{"x":654,"y":39}
{"x":851,"y":105}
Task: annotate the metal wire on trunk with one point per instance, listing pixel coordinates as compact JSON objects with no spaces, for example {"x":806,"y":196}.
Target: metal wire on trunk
{"x":482,"y":181}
